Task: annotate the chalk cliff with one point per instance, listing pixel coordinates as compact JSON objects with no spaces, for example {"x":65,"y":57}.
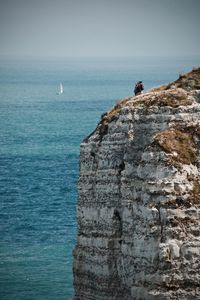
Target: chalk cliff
{"x":139,"y":198}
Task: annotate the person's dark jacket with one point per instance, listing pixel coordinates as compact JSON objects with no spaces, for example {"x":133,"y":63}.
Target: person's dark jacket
{"x":138,"y":88}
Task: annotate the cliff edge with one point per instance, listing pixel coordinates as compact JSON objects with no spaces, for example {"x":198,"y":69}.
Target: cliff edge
{"x":139,"y":198}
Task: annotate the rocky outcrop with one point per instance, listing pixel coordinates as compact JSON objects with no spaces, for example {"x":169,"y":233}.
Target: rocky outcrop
{"x":139,"y":198}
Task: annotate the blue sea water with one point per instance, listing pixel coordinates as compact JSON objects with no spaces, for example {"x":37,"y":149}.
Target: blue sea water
{"x":39,"y":159}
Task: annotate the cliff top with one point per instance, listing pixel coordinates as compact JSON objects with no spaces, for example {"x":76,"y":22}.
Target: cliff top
{"x":175,"y":94}
{"x":183,"y":92}
{"x":188,"y":81}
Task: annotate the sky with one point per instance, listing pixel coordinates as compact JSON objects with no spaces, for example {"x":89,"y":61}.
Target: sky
{"x":93,"y":28}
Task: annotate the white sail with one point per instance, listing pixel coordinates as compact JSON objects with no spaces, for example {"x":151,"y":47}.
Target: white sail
{"x":61,"y":90}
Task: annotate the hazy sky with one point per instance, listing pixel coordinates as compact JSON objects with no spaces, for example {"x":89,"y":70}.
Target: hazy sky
{"x":99,"y":27}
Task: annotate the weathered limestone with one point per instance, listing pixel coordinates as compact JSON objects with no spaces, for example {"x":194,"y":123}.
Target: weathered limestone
{"x":139,"y":198}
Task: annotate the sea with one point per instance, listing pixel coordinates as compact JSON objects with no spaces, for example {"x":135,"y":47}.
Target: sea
{"x":40,"y":135}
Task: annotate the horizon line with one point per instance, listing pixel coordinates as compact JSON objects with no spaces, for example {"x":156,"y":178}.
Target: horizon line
{"x":48,"y":57}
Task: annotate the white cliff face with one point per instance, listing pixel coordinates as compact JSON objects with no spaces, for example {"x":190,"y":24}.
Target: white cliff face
{"x":139,"y":199}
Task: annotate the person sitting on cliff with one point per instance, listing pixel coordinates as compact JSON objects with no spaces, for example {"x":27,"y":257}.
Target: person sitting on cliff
{"x":138,"y":88}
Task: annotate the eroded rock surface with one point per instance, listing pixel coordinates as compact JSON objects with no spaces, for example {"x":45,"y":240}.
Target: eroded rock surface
{"x":139,"y":198}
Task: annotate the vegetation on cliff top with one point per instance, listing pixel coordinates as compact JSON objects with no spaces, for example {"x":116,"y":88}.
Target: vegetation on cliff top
{"x":167,"y":95}
{"x":188,"y":81}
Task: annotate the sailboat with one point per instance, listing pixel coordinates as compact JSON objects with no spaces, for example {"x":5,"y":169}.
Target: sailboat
{"x":61,"y":90}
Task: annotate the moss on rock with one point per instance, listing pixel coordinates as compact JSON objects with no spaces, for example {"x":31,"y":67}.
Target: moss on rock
{"x":194,"y":198}
{"x":179,"y":144}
